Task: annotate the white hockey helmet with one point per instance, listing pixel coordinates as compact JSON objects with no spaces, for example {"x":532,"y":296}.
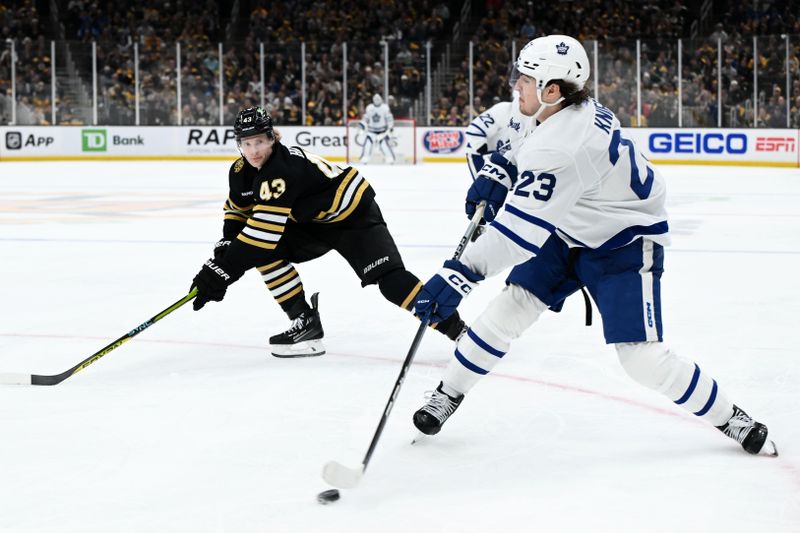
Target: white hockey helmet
{"x":377,"y":100}
{"x":554,"y":57}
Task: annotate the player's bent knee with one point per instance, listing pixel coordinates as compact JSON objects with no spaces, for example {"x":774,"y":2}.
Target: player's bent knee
{"x":512,"y":312}
{"x":651,"y":364}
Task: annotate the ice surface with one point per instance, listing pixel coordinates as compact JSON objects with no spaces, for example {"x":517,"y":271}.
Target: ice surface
{"x":193,"y":427}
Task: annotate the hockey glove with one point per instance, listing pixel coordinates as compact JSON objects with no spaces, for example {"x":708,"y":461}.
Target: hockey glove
{"x":220,"y":247}
{"x":439,"y":298}
{"x":496,"y":177}
{"x":212,"y":281}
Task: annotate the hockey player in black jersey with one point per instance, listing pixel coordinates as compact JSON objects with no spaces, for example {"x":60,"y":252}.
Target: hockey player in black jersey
{"x":288,"y":206}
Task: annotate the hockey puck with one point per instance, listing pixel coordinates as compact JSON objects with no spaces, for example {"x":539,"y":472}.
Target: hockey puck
{"x":328,"y":496}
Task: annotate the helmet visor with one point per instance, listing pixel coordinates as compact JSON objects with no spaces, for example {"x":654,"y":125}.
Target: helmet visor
{"x":513,"y":75}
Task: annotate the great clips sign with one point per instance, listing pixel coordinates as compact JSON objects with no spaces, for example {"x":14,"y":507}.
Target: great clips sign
{"x":719,"y":146}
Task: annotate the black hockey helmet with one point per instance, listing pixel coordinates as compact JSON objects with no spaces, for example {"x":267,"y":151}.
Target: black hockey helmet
{"x":252,"y":121}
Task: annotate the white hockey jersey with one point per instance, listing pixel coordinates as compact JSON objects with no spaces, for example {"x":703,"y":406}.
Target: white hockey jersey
{"x":378,"y":119}
{"x":500,"y":128}
{"x":579,"y":177}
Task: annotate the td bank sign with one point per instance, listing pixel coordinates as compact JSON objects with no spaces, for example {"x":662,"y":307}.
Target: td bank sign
{"x":96,"y":140}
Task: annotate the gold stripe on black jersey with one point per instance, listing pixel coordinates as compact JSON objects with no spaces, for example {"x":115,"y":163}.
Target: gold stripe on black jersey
{"x":236,"y":212}
{"x":234,"y":216}
{"x":348,"y":195}
{"x":265,"y":227}
{"x":254,"y":242}
{"x":407,"y":303}
{"x":337,"y":198}
{"x":273,"y":209}
{"x":231,"y":208}
{"x":353,"y":204}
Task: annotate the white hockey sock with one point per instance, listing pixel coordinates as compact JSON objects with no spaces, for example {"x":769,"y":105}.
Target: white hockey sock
{"x":655,"y":366}
{"x":476,"y":354}
{"x":489,"y":338}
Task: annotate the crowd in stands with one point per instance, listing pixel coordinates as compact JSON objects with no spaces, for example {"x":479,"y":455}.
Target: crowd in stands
{"x":154,"y":27}
{"x":658,"y":24}
{"x":363,"y":28}
{"x":20,"y":22}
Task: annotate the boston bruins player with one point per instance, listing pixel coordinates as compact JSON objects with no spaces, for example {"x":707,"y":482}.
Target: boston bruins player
{"x":288,"y":206}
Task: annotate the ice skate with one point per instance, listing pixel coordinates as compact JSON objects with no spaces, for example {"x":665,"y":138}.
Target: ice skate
{"x":430,"y":419}
{"x":750,"y":434}
{"x":304,"y":338}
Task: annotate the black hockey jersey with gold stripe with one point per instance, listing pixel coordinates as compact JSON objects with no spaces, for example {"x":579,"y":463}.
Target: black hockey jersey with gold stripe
{"x":292,"y":184}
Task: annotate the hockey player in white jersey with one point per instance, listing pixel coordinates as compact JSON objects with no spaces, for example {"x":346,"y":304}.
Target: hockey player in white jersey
{"x":498,"y":133}
{"x":498,"y":130}
{"x":580,"y":207}
{"x":378,"y":123}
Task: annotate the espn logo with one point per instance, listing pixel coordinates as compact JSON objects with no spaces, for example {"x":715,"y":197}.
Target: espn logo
{"x":775,"y":144}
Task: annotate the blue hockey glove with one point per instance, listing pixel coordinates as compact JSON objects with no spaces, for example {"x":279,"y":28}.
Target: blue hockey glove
{"x":439,"y":298}
{"x":493,"y":192}
{"x":496,"y":177}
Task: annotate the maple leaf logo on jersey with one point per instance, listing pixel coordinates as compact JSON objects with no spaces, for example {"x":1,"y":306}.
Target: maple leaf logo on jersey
{"x":562,"y":48}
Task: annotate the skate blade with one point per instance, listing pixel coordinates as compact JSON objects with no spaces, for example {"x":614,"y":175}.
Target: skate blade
{"x":769,"y":449}
{"x":419,"y":437}
{"x":301,"y":349}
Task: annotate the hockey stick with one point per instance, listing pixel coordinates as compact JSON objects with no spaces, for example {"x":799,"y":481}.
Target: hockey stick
{"x":36,"y":379}
{"x":343,"y":477}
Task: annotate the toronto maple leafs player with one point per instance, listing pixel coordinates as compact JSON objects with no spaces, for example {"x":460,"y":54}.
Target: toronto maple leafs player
{"x":378,"y":123}
{"x":498,"y":130}
{"x":581,"y":200}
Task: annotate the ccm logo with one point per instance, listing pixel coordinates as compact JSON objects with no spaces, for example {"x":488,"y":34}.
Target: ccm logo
{"x":459,"y":283}
{"x":775,"y":144}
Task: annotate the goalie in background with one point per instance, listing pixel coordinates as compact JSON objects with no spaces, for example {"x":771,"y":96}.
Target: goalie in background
{"x":378,"y":124}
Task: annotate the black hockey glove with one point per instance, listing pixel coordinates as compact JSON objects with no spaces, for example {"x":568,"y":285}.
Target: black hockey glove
{"x":212,"y":281}
{"x":220,"y":248}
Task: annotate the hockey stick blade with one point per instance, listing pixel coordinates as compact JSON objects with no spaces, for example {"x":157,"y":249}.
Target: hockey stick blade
{"x":15,"y":379}
{"x":340,"y":476}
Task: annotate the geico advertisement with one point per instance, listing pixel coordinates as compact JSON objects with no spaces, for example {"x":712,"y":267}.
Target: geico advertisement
{"x":760,"y":146}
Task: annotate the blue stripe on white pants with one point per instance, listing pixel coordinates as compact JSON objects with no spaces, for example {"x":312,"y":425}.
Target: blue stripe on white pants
{"x":487,"y":341}
{"x":648,"y":294}
{"x":655,"y":366}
